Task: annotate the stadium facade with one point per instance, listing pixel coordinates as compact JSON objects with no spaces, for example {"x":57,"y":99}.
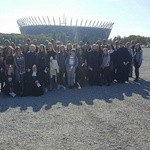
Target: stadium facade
{"x":64,"y":30}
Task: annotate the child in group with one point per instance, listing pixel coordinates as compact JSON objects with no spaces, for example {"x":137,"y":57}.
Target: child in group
{"x":106,"y":67}
{"x":54,"y":70}
{"x":71,"y":64}
{"x":2,"y":68}
{"x":9,"y":88}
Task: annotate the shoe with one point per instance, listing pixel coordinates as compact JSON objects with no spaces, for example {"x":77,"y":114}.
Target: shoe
{"x":59,"y":86}
{"x":46,"y":90}
{"x":12,"y":94}
{"x":71,"y":87}
{"x":79,"y":87}
{"x":108,"y":84}
{"x":63,"y":87}
{"x":136,"y":80}
{"x":100,"y":84}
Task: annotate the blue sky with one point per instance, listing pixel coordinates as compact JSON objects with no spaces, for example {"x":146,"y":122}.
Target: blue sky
{"x":130,"y":17}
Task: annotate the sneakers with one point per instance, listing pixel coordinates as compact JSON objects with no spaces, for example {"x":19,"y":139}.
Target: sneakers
{"x":79,"y":86}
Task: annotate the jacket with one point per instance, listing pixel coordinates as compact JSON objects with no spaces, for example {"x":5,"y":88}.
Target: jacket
{"x":138,"y":57}
{"x":75,"y":62}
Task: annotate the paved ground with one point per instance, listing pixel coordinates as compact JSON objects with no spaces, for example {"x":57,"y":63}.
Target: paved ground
{"x":93,"y":118}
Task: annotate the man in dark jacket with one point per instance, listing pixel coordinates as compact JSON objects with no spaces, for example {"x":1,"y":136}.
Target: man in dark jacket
{"x":123,"y":59}
{"x":30,"y":57}
{"x":94,"y":60}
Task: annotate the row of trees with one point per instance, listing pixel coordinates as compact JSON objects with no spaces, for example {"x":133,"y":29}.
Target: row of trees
{"x":21,"y":39}
{"x":138,"y":39}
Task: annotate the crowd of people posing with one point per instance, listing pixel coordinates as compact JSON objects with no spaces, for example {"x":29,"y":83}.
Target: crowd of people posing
{"x":32,"y":70}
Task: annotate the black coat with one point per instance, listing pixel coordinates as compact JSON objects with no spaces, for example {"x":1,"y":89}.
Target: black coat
{"x":50,"y":54}
{"x":94,"y":59}
{"x":9,"y":83}
{"x":123,"y":56}
{"x":30,"y":60}
{"x":61,"y":57}
{"x":41,"y":64}
{"x":30,"y":87}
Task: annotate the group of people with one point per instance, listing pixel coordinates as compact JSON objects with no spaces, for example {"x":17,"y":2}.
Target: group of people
{"x":32,"y":69}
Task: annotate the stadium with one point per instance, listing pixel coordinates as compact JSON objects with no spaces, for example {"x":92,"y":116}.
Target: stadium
{"x":64,"y":29}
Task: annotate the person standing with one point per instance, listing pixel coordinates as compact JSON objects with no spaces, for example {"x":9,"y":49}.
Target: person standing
{"x":71,"y":63}
{"x":6,"y":45}
{"x":30,"y":57}
{"x":106,"y":67}
{"x":128,"y":46}
{"x":9,"y":58}
{"x":2,"y":68}
{"x":123,"y":63}
{"x":69,"y":47}
{"x":19,"y":61}
{"x":41,"y":64}
{"x":61,"y":57}
{"x":112,"y":54}
{"x":138,"y":57}
{"x":80,"y":70}
{"x":132,"y":45}
{"x":94,"y":61}
{"x":86,"y":55}
{"x":51,"y":55}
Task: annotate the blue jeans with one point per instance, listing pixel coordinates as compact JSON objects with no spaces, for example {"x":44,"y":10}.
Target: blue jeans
{"x":71,"y":76}
{"x":19,"y":76}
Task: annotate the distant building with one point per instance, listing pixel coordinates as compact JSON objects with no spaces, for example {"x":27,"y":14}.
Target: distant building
{"x":64,"y":30}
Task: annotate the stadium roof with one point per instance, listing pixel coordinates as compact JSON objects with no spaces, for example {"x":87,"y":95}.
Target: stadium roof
{"x":33,"y":21}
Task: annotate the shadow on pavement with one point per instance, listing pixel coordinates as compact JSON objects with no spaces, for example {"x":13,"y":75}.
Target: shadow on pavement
{"x":76,"y":96}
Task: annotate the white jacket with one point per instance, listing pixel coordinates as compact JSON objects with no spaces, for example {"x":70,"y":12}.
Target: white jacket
{"x":54,"y":68}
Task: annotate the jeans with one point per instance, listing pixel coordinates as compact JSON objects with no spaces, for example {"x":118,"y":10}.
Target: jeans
{"x":137,"y":71}
{"x":137,"y":66}
{"x":61,"y":74}
{"x":19,"y":76}
{"x":71,"y":76}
